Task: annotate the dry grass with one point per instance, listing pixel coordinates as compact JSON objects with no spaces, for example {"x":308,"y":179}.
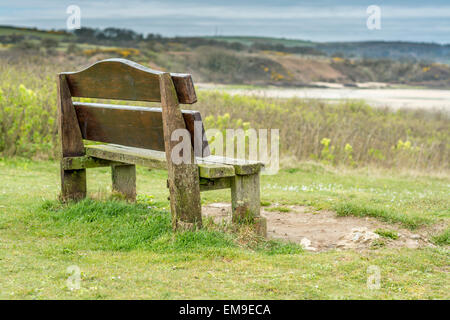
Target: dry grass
{"x":349,"y":133}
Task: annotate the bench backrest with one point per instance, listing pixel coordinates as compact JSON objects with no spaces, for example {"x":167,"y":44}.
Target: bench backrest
{"x":133,"y":126}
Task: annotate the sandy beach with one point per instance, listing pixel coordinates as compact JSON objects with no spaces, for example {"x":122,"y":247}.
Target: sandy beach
{"x":431,"y":99}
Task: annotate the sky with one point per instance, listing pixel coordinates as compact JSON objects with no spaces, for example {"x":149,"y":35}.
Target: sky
{"x":327,"y":20}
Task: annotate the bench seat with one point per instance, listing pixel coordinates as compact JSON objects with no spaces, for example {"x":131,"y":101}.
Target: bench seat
{"x":211,"y":167}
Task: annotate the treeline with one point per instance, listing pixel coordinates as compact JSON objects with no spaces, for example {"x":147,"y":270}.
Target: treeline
{"x":117,"y":36}
{"x":309,"y":129}
{"x":406,"y":51}
{"x":409,"y":51}
{"x":109,"y":35}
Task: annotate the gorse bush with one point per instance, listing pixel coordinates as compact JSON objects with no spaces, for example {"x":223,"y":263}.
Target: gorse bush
{"x":28,"y":125}
{"x":348,"y":132}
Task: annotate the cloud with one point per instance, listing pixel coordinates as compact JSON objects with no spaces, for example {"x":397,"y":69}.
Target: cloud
{"x":223,"y":10}
{"x":315,"y":20}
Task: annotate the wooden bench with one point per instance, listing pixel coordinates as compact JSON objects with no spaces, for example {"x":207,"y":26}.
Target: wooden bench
{"x":135,"y":135}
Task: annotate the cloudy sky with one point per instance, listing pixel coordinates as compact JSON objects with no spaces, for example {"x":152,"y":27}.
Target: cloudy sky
{"x":327,"y":20}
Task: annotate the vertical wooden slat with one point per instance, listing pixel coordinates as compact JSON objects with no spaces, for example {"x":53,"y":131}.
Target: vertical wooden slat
{"x":183,"y":179}
{"x":73,"y":182}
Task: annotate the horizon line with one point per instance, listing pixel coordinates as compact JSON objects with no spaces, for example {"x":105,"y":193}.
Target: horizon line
{"x":229,"y":36}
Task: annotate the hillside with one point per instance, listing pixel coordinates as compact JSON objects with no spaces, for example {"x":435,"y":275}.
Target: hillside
{"x":364,"y":49}
{"x":266,"y":40}
{"x":244,"y":60}
{"x":6,"y":31}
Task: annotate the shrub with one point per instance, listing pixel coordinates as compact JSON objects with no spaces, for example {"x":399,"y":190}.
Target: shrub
{"x":28,"y":125}
{"x":348,"y":132}
{"x":391,"y":234}
{"x":442,"y":239}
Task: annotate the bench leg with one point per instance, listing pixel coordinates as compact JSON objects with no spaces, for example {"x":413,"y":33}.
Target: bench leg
{"x":185,"y":204}
{"x":124,"y":180}
{"x":73,"y":185}
{"x":245,"y":202}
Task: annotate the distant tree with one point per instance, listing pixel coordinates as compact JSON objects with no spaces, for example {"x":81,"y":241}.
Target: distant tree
{"x":26,"y":45}
{"x":86,"y":34}
{"x":121,"y":34}
{"x":108,"y":36}
{"x":237,"y":46}
{"x":49,"y":45}
{"x":12,"y":38}
{"x":73,"y":48}
{"x":153,"y":36}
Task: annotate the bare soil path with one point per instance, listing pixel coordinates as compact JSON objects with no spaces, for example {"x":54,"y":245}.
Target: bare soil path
{"x":324,"y":230}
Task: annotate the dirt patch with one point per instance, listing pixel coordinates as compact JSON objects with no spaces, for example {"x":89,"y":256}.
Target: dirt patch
{"x":324,"y":230}
{"x":309,"y":70}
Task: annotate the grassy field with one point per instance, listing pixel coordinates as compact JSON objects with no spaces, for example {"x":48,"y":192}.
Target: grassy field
{"x":349,"y":132}
{"x":273,"y":41}
{"x":5,"y":30}
{"x":129,"y":251}
{"x":346,"y":157}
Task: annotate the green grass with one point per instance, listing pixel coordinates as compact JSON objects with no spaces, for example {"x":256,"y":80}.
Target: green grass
{"x":267,"y":40}
{"x":7,"y":30}
{"x":129,"y":251}
{"x":140,"y":226}
{"x":411,"y":200}
{"x":391,"y":234}
{"x":309,"y":129}
{"x":385,"y":214}
{"x":442,"y":238}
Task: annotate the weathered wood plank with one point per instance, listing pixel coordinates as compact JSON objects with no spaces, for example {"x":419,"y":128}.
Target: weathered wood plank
{"x":241,"y":167}
{"x":146,"y":158}
{"x":215,"y":170}
{"x":183,"y":178}
{"x":185,"y":88}
{"x":150,"y":159}
{"x":71,"y":139}
{"x":124,"y":180}
{"x":122,"y":79}
{"x":139,"y":127}
{"x":73,"y":182}
{"x":215,"y":184}
{"x":84,"y":162}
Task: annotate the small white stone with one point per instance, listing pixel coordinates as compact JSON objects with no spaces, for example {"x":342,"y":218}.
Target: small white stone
{"x":412,"y":244}
{"x":306,"y":244}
